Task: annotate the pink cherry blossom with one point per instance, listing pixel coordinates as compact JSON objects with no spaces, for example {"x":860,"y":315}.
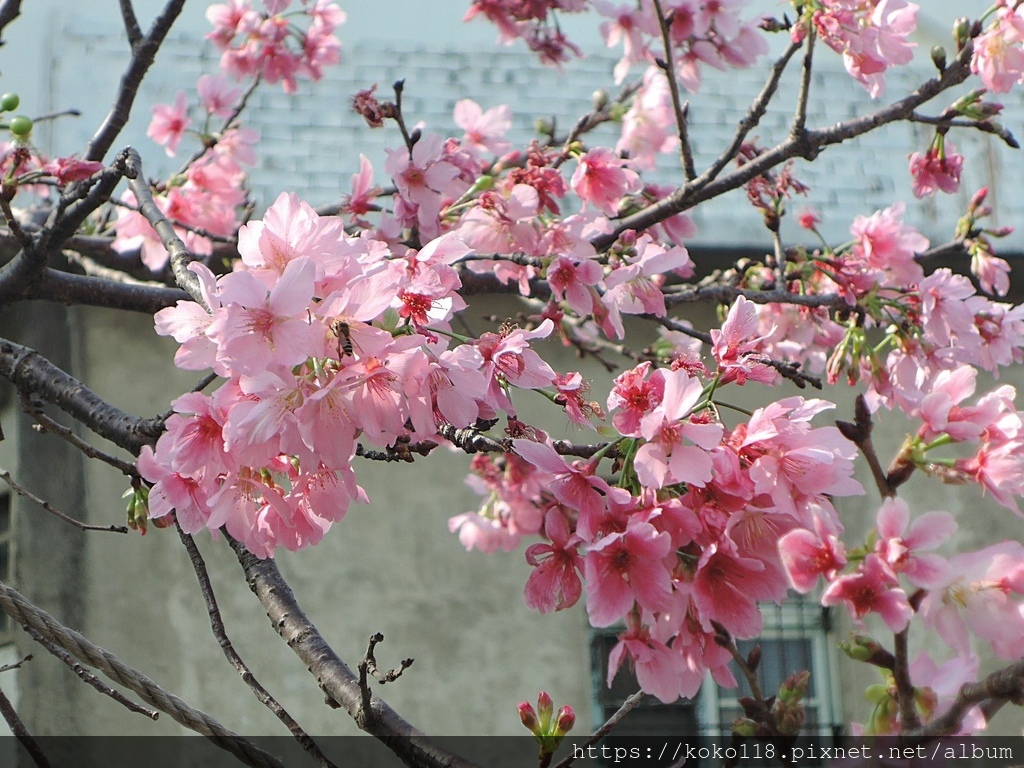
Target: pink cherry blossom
{"x":901,"y":542}
{"x":936,"y":169}
{"x":872,"y":588}
{"x":169,"y":124}
{"x":485,"y":131}
{"x":555,"y":583}
{"x":602,"y":179}
{"x":626,"y":568}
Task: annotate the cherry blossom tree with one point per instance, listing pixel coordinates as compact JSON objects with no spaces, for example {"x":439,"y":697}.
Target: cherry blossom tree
{"x":333,"y":337}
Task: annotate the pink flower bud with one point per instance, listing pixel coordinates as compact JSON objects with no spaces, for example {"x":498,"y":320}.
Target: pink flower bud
{"x":545,"y":708}
{"x":565,"y":720}
{"x":529,"y":717}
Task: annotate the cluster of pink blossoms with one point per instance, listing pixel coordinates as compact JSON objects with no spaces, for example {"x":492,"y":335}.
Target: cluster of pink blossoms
{"x":870,"y":34}
{"x":999,"y":51}
{"x":703,"y":33}
{"x":267,"y":43}
{"x":203,"y":201}
{"x":269,"y":454}
{"x":683,"y":545}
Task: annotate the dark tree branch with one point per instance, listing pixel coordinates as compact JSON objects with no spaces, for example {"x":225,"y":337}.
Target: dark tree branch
{"x":1002,"y":686}
{"x":678,"y":108}
{"x":758,"y":108}
{"x":335,"y":678}
{"x":29,"y":371}
{"x":143,"y":54}
{"x":9,"y":11}
{"x":859,"y":433}
{"x":131,"y":24}
{"x":808,"y":145}
{"x":18,"y":728}
{"x":220,"y":633}
{"x":89,"y":678}
{"x":25,"y":493}
{"x":66,"y":288}
{"x":800,"y":116}
{"x":179,"y":254}
{"x":909,"y":719}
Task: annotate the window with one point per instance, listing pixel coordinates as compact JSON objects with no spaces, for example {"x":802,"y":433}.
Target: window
{"x":795,"y":637}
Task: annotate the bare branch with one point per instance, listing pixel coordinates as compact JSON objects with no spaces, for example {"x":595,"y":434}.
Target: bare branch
{"x":89,"y":678}
{"x":179,"y":254}
{"x":332,"y":674}
{"x":131,"y":24}
{"x":909,"y":719}
{"x":21,"y":491}
{"x":66,"y":288}
{"x":755,"y":112}
{"x":1002,"y":686}
{"x":679,"y":109}
{"x":220,"y":633}
{"x":18,"y":728}
{"x":808,"y":145}
{"x":31,"y":372}
{"x":800,"y":117}
{"x":143,"y":55}
{"x":859,"y":433}
{"x":15,"y":605}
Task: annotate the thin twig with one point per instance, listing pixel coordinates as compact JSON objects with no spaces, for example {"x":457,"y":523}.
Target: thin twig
{"x":46,"y":424}
{"x":859,"y":433}
{"x":220,"y":633}
{"x":627,"y":706}
{"x":131,"y":24}
{"x":18,"y":728}
{"x":800,"y":117}
{"x":6,"y":477}
{"x":12,"y":224}
{"x":89,"y":678}
{"x":143,"y":55}
{"x":17,"y":664}
{"x":909,"y":719}
{"x":667,"y":65}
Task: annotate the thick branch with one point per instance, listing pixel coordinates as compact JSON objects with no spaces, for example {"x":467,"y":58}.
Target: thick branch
{"x":143,"y":55}
{"x":334,"y":677}
{"x":179,"y":254}
{"x":1003,"y":685}
{"x":29,"y":371}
